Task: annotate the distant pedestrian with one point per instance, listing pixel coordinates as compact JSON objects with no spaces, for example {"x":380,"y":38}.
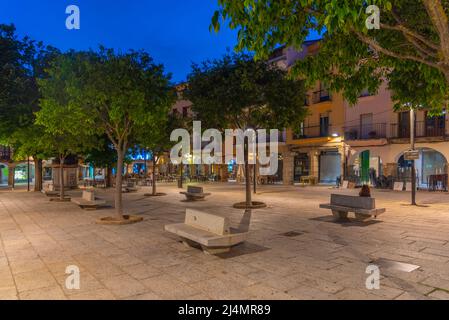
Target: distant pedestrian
{"x":365,"y":192}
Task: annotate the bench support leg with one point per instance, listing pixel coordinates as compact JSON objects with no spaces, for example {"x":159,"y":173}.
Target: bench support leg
{"x":190,"y":244}
{"x":212,"y":251}
{"x":363,"y":217}
{"x":340,"y":215}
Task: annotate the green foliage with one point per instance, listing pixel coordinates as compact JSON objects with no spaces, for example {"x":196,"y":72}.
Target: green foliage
{"x":102,"y":155}
{"x":68,"y":129}
{"x":158,"y":141}
{"x":124,"y":94}
{"x":23,"y":62}
{"x":31,"y":141}
{"x":238,"y":92}
{"x":410,"y":50}
{"x":13,"y":82}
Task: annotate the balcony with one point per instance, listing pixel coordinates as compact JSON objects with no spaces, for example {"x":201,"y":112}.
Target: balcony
{"x":366,"y":132}
{"x":423,"y":129}
{"x":313,"y":132}
{"x":317,"y":97}
{"x":5,"y":153}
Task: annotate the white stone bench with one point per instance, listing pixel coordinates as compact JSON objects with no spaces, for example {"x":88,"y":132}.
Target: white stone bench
{"x":129,"y":187}
{"x":50,"y":191}
{"x":88,"y":201}
{"x":194,"y":193}
{"x":363,"y":207}
{"x":211,"y":232}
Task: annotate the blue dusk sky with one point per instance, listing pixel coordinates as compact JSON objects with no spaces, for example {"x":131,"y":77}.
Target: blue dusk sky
{"x":175,"y":32}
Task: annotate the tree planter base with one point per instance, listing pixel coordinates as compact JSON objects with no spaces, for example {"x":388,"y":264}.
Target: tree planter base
{"x":254,"y":205}
{"x":59,"y":200}
{"x":127,"y":219}
{"x":157,"y":194}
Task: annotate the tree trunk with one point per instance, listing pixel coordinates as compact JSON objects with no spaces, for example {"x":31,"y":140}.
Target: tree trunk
{"x":93,"y":178}
{"x":145,"y":164}
{"x":61,"y":178}
{"x":154,"y":176}
{"x":118,"y":183}
{"x":247,"y":178}
{"x":37,"y":174}
{"x":108,"y":182}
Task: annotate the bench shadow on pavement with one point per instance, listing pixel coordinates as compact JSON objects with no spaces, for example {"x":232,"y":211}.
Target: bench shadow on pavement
{"x":243,"y":249}
{"x":346,"y":223}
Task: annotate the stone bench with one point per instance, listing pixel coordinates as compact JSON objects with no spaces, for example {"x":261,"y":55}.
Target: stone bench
{"x":50,"y":191}
{"x":88,"y":201}
{"x":209,"y":231}
{"x":363,"y":207}
{"x":194,"y":193}
{"x":129,"y":187}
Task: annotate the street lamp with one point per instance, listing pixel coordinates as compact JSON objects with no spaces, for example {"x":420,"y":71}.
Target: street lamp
{"x":412,"y":147}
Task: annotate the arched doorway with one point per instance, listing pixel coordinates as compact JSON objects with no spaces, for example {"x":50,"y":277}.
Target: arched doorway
{"x":4,"y":172}
{"x":430,"y":162}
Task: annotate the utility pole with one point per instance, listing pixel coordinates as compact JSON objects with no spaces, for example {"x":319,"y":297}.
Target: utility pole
{"x":412,"y":147}
{"x":180,"y":178}
{"x":255,"y":178}
{"x":28,"y":175}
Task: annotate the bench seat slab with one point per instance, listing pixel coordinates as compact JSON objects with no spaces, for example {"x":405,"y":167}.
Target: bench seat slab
{"x":206,"y":238}
{"x":85,"y":203}
{"x":368,"y":212}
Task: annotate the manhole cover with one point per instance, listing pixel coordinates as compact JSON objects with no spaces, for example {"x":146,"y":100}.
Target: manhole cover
{"x":291,"y":234}
{"x":394,"y":265}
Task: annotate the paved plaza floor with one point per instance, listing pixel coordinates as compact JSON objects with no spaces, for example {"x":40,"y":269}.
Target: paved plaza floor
{"x":294,"y":250}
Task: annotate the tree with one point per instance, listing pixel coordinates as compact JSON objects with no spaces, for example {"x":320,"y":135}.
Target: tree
{"x":157,"y":142}
{"x":237,"y":92}
{"x":68,"y":130}
{"x":123,"y":93}
{"x":30,"y":141}
{"x":13,"y":82}
{"x":23,"y":62}
{"x":411,"y":46}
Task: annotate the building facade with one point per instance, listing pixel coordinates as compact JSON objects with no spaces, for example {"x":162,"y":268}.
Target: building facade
{"x":364,"y":143}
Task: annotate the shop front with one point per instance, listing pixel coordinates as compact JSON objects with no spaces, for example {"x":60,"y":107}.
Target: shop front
{"x":329,"y":166}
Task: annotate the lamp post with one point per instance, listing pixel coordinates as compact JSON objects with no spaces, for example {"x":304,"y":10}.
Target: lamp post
{"x":28,"y":174}
{"x":412,"y":147}
{"x":180,"y":177}
{"x":255,"y":178}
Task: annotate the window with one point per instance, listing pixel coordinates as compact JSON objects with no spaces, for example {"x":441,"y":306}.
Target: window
{"x":324,"y":92}
{"x":366,"y":125}
{"x":324,"y":125}
{"x":404,"y":124}
{"x":435,"y":125}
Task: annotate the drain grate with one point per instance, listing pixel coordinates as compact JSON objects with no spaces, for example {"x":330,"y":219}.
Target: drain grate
{"x":394,"y":265}
{"x":292,"y":234}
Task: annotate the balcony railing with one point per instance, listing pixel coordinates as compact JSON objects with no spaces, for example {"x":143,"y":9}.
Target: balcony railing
{"x":364,"y":132}
{"x":313,"y":132}
{"x":423,"y":129}
{"x":5,"y":153}
{"x":318,"y":96}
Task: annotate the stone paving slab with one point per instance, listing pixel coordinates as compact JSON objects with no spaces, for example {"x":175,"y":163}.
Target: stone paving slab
{"x":294,"y":250}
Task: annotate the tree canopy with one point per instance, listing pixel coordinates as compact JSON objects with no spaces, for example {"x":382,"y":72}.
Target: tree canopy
{"x":23,"y":62}
{"x":410,"y":50}
{"x":238,"y":92}
{"x":123,"y":94}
